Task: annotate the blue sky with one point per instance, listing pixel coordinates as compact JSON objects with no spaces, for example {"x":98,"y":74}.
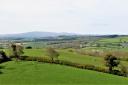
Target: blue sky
{"x":76,"y":16}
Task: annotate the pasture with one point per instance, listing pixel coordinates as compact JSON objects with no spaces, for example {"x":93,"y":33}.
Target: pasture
{"x":34,"y":73}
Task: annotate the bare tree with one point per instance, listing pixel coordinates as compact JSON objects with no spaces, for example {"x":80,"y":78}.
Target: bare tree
{"x":17,"y":50}
{"x":52,"y":53}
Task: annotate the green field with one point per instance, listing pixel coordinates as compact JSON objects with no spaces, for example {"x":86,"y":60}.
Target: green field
{"x":66,"y":55}
{"x":114,"y":40}
{"x":69,"y":56}
{"x":34,"y":73}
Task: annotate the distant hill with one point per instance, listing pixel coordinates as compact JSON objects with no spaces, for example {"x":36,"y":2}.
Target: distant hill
{"x":35,"y":34}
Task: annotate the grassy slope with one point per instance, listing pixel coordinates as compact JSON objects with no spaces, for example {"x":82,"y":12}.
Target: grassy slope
{"x":70,"y":56}
{"x":24,"y":73}
{"x":84,"y":59}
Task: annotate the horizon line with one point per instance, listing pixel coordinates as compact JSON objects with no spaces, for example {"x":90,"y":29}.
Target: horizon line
{"x":68,"y":33}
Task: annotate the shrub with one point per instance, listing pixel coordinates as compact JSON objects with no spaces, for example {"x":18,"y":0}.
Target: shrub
{"x":116,"y":72}
{"x":70,"y":50}
{"x":43,"y":59}
{"x":111,"y":62}
{"x":31,"y":59}
{"x":28,"y":47}
{"x":90,"y":67}
{"x":3,"y":57}
{"x":101,"y":69}
{"x":124,"y":70}
{"x":68,"y":63}
{"x":22,"y":57}
{"x":80,"y":66}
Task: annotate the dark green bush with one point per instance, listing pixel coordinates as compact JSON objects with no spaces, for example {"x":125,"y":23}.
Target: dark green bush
{"x":70,"y":50}
{"x":42,"y":59}
{"x":117,"y":72}
{"x":79,"y":66}
{"x":101,"y":69}
{"x":31,"y":59}
{"x":90,"y":67}
{"x":23,"y":57}
{"x":3,"y":57}
{"x":28,"y":47}
{"x":124,"y":70}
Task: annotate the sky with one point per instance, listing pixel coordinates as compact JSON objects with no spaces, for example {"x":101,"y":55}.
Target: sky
{"x":73,"y":16}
